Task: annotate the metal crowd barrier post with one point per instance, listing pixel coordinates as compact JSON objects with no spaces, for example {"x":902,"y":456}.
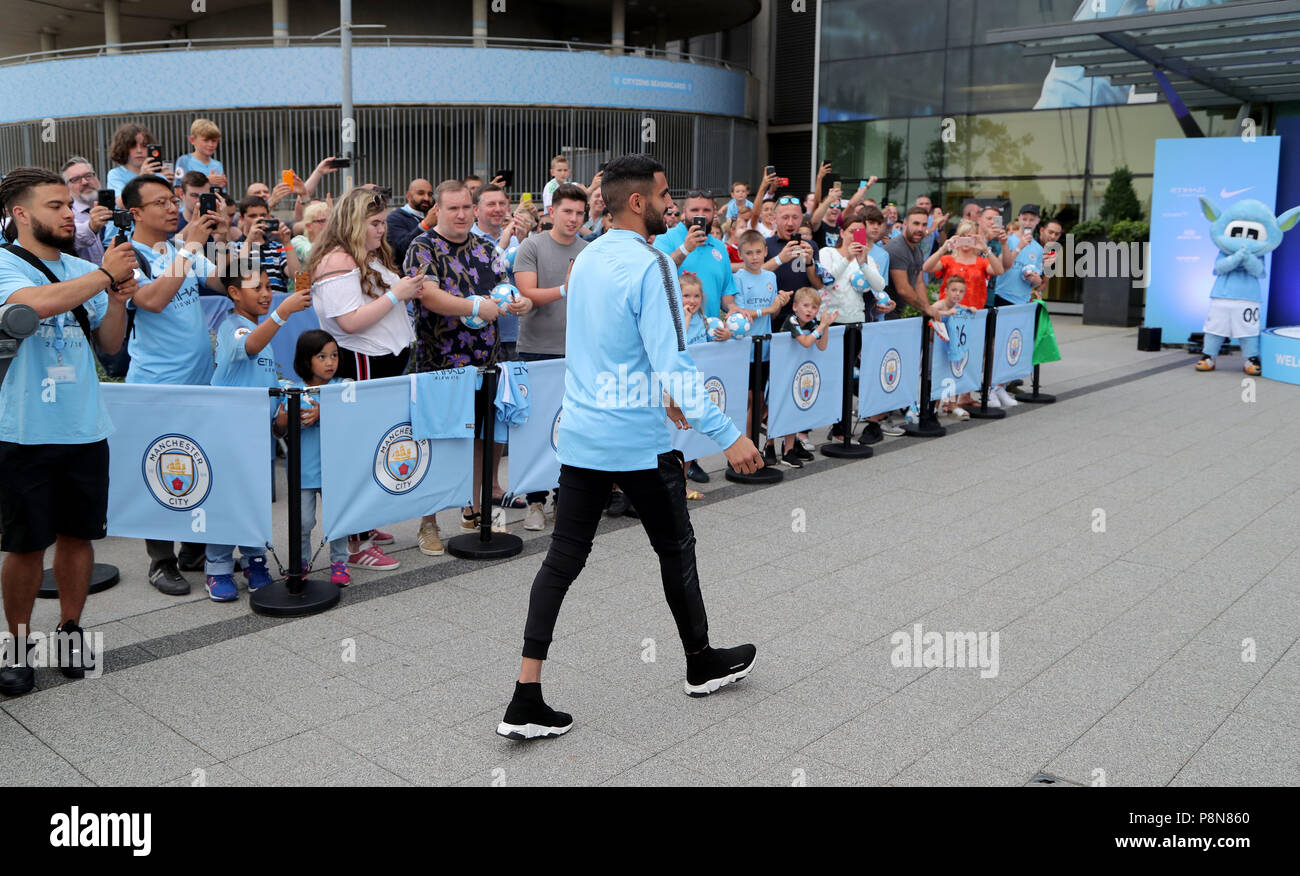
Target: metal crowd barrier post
{"x":763,"y":475}
{"x":845,"y":448}
{"x":984,"y":412}
{"x":928,"y":421}
{"x":486,"y":544}
{"x":1036,"y":397}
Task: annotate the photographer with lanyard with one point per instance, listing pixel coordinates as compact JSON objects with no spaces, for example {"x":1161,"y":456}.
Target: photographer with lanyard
{"x":53,"y":424}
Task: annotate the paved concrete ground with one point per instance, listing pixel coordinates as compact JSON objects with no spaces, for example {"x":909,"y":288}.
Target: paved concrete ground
{"x":1160,"y":650}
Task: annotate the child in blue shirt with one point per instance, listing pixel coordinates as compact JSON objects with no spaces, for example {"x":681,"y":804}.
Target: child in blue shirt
{"x":205,"y":137}
{"x":697,"y":325}
{"x":244,"y":359}
{"x":316,"y":361}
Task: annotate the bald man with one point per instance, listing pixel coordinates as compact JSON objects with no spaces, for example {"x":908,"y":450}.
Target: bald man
{"x":411,"y":219}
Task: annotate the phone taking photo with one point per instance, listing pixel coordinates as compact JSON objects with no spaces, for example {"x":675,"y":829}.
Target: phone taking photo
{"x":106,"y":198}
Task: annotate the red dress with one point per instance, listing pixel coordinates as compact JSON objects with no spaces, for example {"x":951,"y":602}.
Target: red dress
{"x":976,"y":276}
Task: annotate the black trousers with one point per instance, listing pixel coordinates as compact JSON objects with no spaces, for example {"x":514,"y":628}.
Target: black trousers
{"x":191,"y":552}
{"x":659,"y":496}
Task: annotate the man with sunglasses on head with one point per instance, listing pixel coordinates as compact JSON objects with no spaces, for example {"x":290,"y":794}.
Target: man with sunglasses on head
{"x":169,"y":341}
{"x":693,"y":249}
{"x":792,"y":259}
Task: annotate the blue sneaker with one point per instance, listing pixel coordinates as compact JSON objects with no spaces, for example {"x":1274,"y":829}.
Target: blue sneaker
{"x":221,"y":588}
{"x":257,"y":574}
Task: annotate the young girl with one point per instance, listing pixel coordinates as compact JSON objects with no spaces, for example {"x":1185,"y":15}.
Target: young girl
{"x":953,"y":312}
{"x":316,"y":361}
{"x":697,"y":327}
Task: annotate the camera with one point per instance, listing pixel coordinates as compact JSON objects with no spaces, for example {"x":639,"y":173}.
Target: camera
{"x":17,"y":321}
{"x":207,"y":203}
{"x":122,"y":219}
{"x":106,"y":198}
{"x":340,"y":162}
{"x":272,"y":224}
{"x":507,"y":177}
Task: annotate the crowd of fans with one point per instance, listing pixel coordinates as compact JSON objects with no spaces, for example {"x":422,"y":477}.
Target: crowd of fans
{"x":389,"y":287}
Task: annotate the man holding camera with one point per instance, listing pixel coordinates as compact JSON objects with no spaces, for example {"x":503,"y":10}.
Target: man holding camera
{"x":266,"y":238}
{"x":90,"y":214}
{"x":53,"y":424}
{"x":693,"y":249}
{"x":169,"y":341}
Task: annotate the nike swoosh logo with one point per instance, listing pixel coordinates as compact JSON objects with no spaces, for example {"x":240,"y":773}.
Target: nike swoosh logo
{"x":1224,"y":193}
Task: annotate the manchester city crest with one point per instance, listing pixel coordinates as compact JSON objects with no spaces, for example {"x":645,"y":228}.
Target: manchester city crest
{"x":807,"y":385}
{"x":890,"y":367}
{"x":176,"y":471}
{"x":717,"y":392}
{"x":1015,"y":342}
{"x":401,"y":462}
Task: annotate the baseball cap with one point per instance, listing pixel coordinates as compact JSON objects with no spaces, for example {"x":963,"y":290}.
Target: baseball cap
{"x":1030,"y":208}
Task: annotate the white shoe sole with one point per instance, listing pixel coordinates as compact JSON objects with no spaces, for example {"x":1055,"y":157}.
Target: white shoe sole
{"x":703,"y":690}
{"x":429,"y":553}
{"x":536,"y":527}
{"x":530,"y":731}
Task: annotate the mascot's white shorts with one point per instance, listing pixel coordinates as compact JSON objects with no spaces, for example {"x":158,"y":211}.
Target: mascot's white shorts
{"x":1233,"y":318}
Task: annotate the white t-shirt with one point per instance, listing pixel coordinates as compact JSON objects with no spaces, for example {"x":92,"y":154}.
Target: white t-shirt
{"x":335,"y":296}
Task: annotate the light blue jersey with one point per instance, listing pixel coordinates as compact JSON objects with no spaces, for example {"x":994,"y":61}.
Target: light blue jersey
{"x":118,"y":177}
{"x":709,"y":261}
{"x":626,"y":340}
{"x":172,"y":346}
{"x":188,"y":162}
{"x":1012,"y":285}
{"x":755,"y":292}
{"x":235,"y":365}
{"x":51,"y":396}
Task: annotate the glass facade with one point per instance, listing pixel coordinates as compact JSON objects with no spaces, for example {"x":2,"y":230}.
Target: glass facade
{"x":912,"y":94}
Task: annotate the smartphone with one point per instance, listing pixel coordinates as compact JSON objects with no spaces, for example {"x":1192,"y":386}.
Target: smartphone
{"x":701,"y":222}
{"x":860,"y":236}
{"x":106,"y":198}
{"x":829,"y":182}
{"x":286,"y":177}
{"x":219,"y":192}
{"x":507,"y":177}
{"x":340,"y":162}
{"x":207,"y":203}
{"x":769,"y":170}
{"x":154,"y":152}
{"x":526,"y":199}
{"x":997,"y":221}
{"x":272,"y":224}
{"x":783,"y":182}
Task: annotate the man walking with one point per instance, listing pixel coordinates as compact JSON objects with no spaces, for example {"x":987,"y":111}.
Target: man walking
{"x":623,"y":310}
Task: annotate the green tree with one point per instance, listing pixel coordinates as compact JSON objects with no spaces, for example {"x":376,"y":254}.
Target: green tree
{"x":1120,"y":202}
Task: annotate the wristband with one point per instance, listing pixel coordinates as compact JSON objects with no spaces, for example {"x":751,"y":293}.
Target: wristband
{"x":477,"y":302}
{"x":777,"y":259}
{"x":564,"y":290}
{"x":682,"y":249}
{"x":277,"y":318}
{"x":393,"y":298}
{"x":112,"y":283}
{"x":817,"y":334}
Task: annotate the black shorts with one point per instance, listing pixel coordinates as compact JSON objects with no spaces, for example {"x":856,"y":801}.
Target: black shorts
{"x":48,"y":490}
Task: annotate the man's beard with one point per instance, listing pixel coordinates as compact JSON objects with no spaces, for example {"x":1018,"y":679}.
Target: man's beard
{"x":51,"y":236}
{"x":88,"y":198}
{"x":422,"y":206}
{"x":654,"y":222}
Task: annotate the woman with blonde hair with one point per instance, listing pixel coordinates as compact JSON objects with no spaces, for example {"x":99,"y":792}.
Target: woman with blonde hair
{"x":315,"y":217}
{"x":360,"y":299}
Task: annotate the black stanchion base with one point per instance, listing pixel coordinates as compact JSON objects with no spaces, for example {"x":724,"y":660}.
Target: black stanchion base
{"x":928,"y":427}
{"x":498,"y":546}
{"x":762,"y":476}
{"x":276,"y":600}
{"x":1035,"y":398}
{"x":102,"y":577}
{"x":986,"y":414}
{"x":840,"y":450}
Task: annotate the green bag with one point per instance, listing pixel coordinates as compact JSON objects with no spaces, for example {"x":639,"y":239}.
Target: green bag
{"x":1045,"y":348}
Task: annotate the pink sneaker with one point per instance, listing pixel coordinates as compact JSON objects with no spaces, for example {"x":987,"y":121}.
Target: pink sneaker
{"x":372,"y":557}
{"x":380,"y":537}
{"x":339,"y":574}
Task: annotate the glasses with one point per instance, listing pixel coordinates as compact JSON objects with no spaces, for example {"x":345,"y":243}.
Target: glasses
{"x":164,"y":203}
{"x":699,"y":193}
{"x":85,"y":177}
{"x":787,"y":201}
{"x":672,"y":213}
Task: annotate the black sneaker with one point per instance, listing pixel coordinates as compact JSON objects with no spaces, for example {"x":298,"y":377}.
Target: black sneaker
{"x":803,"y":454}
{"x":697,"y":474}
{"x":836,"y":433}
{"x":617,"y":506}
{"x":167,"y":578}
{"x":792,"y":459}
{"x":769,"y":456}
{"x":18,"y":680}
{"x":713,"y":668}
{"x":871,"y":433}
{"x":74,"y":653}
{"x":528,"y":716}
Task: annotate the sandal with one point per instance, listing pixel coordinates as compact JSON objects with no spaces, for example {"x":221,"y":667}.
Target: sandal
{"x":694,"y":494}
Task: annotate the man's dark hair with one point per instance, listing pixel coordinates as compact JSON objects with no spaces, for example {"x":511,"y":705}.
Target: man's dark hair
{"x":473,"y":177}
{"x":15,"y":188}
{"x":193,"y":179}
{"x":1057,"y":222}
{"x":237,"y":269}
{"x":124,"y":141}
{"x":919,"y":211}
{"x":625,"y":175}
{"x":568,"y":192}
{"x":871,"y":213}
{"x":483,"y":190}
{"x":252,"y":201}
{"x":131,"y":191}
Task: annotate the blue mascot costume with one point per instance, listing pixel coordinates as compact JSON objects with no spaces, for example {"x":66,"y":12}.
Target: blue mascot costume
{"x":1244,"y":232}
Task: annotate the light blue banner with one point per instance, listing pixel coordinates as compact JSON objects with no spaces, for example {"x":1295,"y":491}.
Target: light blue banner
{"x":725,"y":369}
{"x":283,"y":343}
{"x":1223,"y":170}
{"x":189,"y":463}
{"x":1013,"y":343}
{"x":806,"y":385}
{"x":533,"y":466}
{"x":967,"y":373}
{"x":889,"y":377}
{"x":373,"y":472}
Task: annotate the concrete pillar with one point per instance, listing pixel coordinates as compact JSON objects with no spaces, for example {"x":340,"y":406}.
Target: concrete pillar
{"x":280,"y":22}
{"x":480,"y":23}
{"x":113,"y":26}
{"x":661,"y":34}
{"x":761,"y":56}
{"x":47,"y":40}
{"x":618,"y":26}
